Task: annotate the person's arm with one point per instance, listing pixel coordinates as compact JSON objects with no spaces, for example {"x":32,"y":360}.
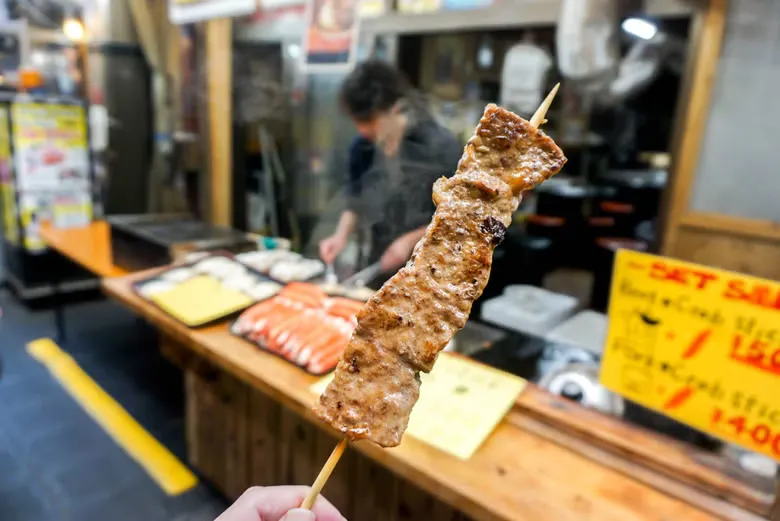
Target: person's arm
{"x":401,"y":249}
{"x":442,"y":154}
{"x":347,"y":223}
{"x":360,"y":157}
{"x":330,"y":247}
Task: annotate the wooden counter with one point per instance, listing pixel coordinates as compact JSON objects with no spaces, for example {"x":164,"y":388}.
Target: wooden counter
{"x":89,"y":246}
{"x":515,"y":475}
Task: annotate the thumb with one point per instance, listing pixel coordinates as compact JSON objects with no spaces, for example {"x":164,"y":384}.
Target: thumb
{"x":298,"y":514}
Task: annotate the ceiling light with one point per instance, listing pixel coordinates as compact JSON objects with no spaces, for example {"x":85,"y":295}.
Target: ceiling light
{"x":640,"y":28}
{"x":73,"y":29}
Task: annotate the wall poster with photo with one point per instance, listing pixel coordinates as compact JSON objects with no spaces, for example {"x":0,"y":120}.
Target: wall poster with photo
{"x":331,"y":35}
{"x":50,"y":146}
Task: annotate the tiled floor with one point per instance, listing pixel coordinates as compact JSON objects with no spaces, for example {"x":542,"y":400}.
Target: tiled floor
{"x":56,"y":463}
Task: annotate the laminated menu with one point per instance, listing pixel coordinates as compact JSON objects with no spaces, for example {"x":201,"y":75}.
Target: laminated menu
{"x":461,"y":403}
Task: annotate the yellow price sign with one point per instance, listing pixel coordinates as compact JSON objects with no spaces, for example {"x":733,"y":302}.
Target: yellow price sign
{"x":698,"y":344}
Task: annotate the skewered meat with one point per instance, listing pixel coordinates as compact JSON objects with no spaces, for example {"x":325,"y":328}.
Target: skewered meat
{"x":405,"y":325}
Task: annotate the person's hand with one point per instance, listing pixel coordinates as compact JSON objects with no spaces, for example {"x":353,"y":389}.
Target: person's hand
{"x":279,"y":504}
{"x":331,"y":247}
{"x":397,"y":253}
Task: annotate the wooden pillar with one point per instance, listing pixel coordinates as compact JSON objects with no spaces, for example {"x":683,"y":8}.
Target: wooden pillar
{"x":689,"y":132}
{"x":219,"y":76}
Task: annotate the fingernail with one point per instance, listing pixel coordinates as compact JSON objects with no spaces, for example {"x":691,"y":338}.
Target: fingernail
{"x":299,"y":514}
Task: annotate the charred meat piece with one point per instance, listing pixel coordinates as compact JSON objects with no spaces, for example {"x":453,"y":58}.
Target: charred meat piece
{"x":405,"y":325}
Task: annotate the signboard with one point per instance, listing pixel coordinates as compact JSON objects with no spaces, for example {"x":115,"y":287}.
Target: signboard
{"x":190,"y":11}
{"x":331,"y":34}
{"x":698,"y":344}
{"x":51,"y":167}
{"x":522,"y":77}
{"x":50,"y":146}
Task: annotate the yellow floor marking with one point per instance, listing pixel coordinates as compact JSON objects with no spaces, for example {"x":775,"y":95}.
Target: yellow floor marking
{"x":163,"y":467}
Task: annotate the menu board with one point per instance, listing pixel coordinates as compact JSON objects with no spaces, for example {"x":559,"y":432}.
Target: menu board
{"x":51,"y":167}
{"x":698,"y":344}
{"x":50,"y":146}
{"x":461,"y":403}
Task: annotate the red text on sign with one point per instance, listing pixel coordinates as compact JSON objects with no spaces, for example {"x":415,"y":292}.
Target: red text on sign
{"x":759,"y":294}
{"x":680,"y":275}
{"x":758,"y":434}
{"x":756,"y":353}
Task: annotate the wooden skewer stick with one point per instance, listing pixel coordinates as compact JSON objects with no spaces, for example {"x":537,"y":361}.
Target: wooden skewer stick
{"x":538,"y":118}
{"x":335,"y":456}
{"x":324,"y":474}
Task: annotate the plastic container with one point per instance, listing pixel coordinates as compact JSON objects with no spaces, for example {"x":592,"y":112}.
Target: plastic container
{"x":529,"y":310}
{"x":586,"y":330}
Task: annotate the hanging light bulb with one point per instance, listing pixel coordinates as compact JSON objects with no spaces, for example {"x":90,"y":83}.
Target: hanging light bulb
{"x":73,"y":29}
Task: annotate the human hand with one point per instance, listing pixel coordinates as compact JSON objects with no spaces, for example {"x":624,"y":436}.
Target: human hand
{"x":279,"y":504}
{"x":397,"y":253}
{"x":330,"y":248}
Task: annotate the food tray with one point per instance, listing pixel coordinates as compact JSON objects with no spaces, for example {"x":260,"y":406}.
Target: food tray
{"x":206,"y":291}
{"x":529,"y":310}
{"x":283,"y":265}
{"x":358,"y":293}
{"x":301,"y":325}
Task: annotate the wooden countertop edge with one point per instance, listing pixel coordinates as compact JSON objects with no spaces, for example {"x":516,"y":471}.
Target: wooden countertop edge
{"x":403,"y":461}
{"x":666,"y":456}
{"x":85,"y":248}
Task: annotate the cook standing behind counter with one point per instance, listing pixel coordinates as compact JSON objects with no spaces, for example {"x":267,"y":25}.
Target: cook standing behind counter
{"x":400,"y":152}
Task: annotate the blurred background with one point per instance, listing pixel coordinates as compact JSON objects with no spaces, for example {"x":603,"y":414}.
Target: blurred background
{"x":140,"y":134}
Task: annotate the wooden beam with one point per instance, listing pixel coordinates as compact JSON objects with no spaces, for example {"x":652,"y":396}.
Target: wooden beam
{"x":219,"y":74}
{"x":732,"y":225}
{"x":694,"y":121}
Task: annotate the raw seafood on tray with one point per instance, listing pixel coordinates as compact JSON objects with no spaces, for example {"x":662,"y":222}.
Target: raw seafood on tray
{"x":302,"y":325}
{"x":283,"y":265}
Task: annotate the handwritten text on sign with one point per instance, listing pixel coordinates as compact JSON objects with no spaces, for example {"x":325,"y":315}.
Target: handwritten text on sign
{"x":698,"y":344}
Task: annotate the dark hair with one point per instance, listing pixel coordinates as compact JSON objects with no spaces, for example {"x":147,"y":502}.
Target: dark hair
{"x":373,"y":86}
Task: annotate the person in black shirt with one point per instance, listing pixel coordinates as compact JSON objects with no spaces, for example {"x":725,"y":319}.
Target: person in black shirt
{"x":400,"y":152}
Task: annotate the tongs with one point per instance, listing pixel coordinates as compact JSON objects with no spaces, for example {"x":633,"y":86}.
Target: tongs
{"x":364,"y":276}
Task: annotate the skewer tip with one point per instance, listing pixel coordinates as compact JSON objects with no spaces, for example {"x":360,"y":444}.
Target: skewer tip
{"x":541,"y":112}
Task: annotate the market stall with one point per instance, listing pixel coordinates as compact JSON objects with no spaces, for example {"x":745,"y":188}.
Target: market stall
{"x":249,"y":422}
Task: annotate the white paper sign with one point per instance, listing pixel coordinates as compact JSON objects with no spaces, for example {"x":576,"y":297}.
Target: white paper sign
{"x":522,"y":78}
{"x":190,"y":11}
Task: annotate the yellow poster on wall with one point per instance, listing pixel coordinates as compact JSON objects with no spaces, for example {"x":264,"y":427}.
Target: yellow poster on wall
{"x":10,"y":226}
{"x":698,"y":344}
{"x":51,"y":165}
{"x":7,"y":192}
{"x":50,"y":146}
